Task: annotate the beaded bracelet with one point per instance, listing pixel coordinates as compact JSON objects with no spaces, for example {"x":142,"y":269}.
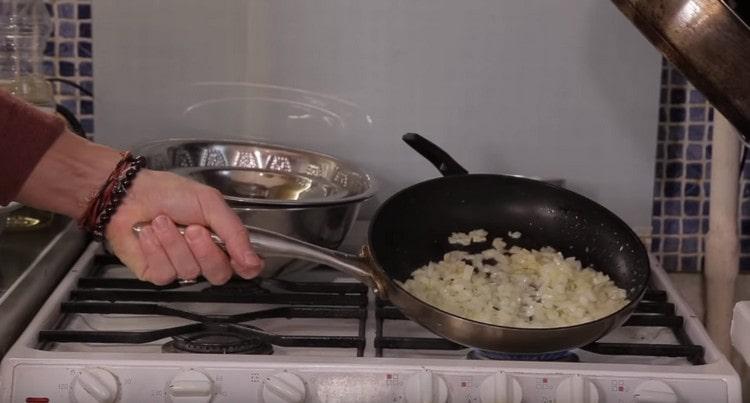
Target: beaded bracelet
{"x":104,"y":205}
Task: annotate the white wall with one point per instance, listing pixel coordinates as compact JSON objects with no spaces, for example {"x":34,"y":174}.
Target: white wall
{"x":545,"y":88}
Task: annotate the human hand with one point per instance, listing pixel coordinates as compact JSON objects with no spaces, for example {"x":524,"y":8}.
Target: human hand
{"x":159,"y":253}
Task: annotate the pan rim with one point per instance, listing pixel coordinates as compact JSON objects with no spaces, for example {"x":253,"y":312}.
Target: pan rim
{"x":639,"y":292}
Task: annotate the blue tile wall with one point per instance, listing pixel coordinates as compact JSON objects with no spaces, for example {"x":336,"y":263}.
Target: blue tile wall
{"x":68,"y":55}
{"x":682,"y":183}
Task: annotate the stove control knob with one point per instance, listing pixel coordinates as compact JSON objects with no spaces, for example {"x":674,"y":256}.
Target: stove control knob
{"x":284,"y":387}
{"x":576,"y":389}
{"x":190,"y":387}
{"x":654,"y":392}
{"x":426,"y":387}
{"x":95,"y":385}
{"x":500,"y":388}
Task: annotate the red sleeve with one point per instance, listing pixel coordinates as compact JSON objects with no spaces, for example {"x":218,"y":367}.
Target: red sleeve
{"x":26,"y":133}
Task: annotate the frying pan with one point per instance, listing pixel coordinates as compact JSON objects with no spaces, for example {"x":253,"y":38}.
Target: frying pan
{"x":709,"y":42}
{"x":411,"y":228}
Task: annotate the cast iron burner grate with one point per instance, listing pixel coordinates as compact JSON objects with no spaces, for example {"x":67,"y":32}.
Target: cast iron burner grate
{"x":212,"y":333}
{"x":654,"y":310}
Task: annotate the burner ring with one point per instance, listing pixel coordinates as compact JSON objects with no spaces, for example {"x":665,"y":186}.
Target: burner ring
{"x":218,"y":342}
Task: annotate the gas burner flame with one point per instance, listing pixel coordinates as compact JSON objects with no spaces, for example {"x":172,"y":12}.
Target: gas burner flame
{"x":562,"y":356}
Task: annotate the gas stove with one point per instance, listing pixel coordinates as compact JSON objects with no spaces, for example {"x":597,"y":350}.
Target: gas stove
{"x":319,"y":336}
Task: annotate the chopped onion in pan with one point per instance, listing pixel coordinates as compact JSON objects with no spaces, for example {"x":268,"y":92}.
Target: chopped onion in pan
{"x":514,"y":286}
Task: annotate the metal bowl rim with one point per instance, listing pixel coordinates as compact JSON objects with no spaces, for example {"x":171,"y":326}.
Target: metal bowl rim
{"x":370,"y":181}
{"x":12,"y":206}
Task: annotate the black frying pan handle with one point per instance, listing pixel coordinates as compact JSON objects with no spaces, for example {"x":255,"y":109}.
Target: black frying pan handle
{"x":436,"y":155}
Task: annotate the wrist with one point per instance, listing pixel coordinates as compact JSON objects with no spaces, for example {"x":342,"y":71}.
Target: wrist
{"x":69,"y":175}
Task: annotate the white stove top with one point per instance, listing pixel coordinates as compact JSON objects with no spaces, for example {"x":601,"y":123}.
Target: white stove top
{"x":144,"y":373}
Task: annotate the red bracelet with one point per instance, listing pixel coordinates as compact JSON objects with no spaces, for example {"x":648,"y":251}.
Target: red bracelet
{"x":103,"y":206}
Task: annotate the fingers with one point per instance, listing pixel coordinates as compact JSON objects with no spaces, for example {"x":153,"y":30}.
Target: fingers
{"x":222,"y":220}
{"x":176,"y":248}
{"x":158,"y":269}
{"x":212,"y":260}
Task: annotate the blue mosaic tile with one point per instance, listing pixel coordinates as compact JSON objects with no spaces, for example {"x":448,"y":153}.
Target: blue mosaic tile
{"x":656,"y":210}
{"x":697,"y":114}
{"x":696,"y":97}
{"x":671,"y":244}
{"x":84,"y":49}
{"x":48,"y":68}
{"x":671,"y":226}
{"x":692,"y":207}
{"x":710,"y":131}
{"x":662,"y":115}
{"x":672,"y":208}
{"x":696,"y":132}
{"x":67,"y":69}
{"x":67,"y":29}
{"x":71,"y":104}
{"x":84,"y":11}
{"x":674,"y":151}
{"x":88,"y":85}
{"x":689,"y":245}
{"x":88,"y":125}
{"x":65,"y":49}
{"x":87,"y":107}
{"x":694,"y":171}
{"x":49,"y":49}
{"x":674,"y":170}
{"x":677,"y":96}
{"x":692,"y":189}
{"x":676,"y":132}
{"x":68,"y":90}
{"x":676,"y":78}
{"x":672,"y":189}
{"x":694,"y":152}
{"x":65,"y":10}
{"x":689,"y":263}
{"x":86,"y":69}
{"x":669,"y":262}
{"x":691,"y":226}
{"x":706,"y":207}
{"x":655,"y":244}
{"x":661,"y":133}
{"x":711,"y":114}
{"x":677,"y":114}
{"x":656,"y":226}
{"x":657,"y":188}
{"x":84,"y":30}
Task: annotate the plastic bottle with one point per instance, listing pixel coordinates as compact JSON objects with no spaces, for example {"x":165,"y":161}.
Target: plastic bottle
{"x":25,"y":26}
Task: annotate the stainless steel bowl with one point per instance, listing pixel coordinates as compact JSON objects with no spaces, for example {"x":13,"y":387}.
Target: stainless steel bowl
{"x":299,"y":193}
{"x":5,"y":211}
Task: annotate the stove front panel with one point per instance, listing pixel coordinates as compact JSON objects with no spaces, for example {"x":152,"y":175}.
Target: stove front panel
{"x":272,"y":382}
